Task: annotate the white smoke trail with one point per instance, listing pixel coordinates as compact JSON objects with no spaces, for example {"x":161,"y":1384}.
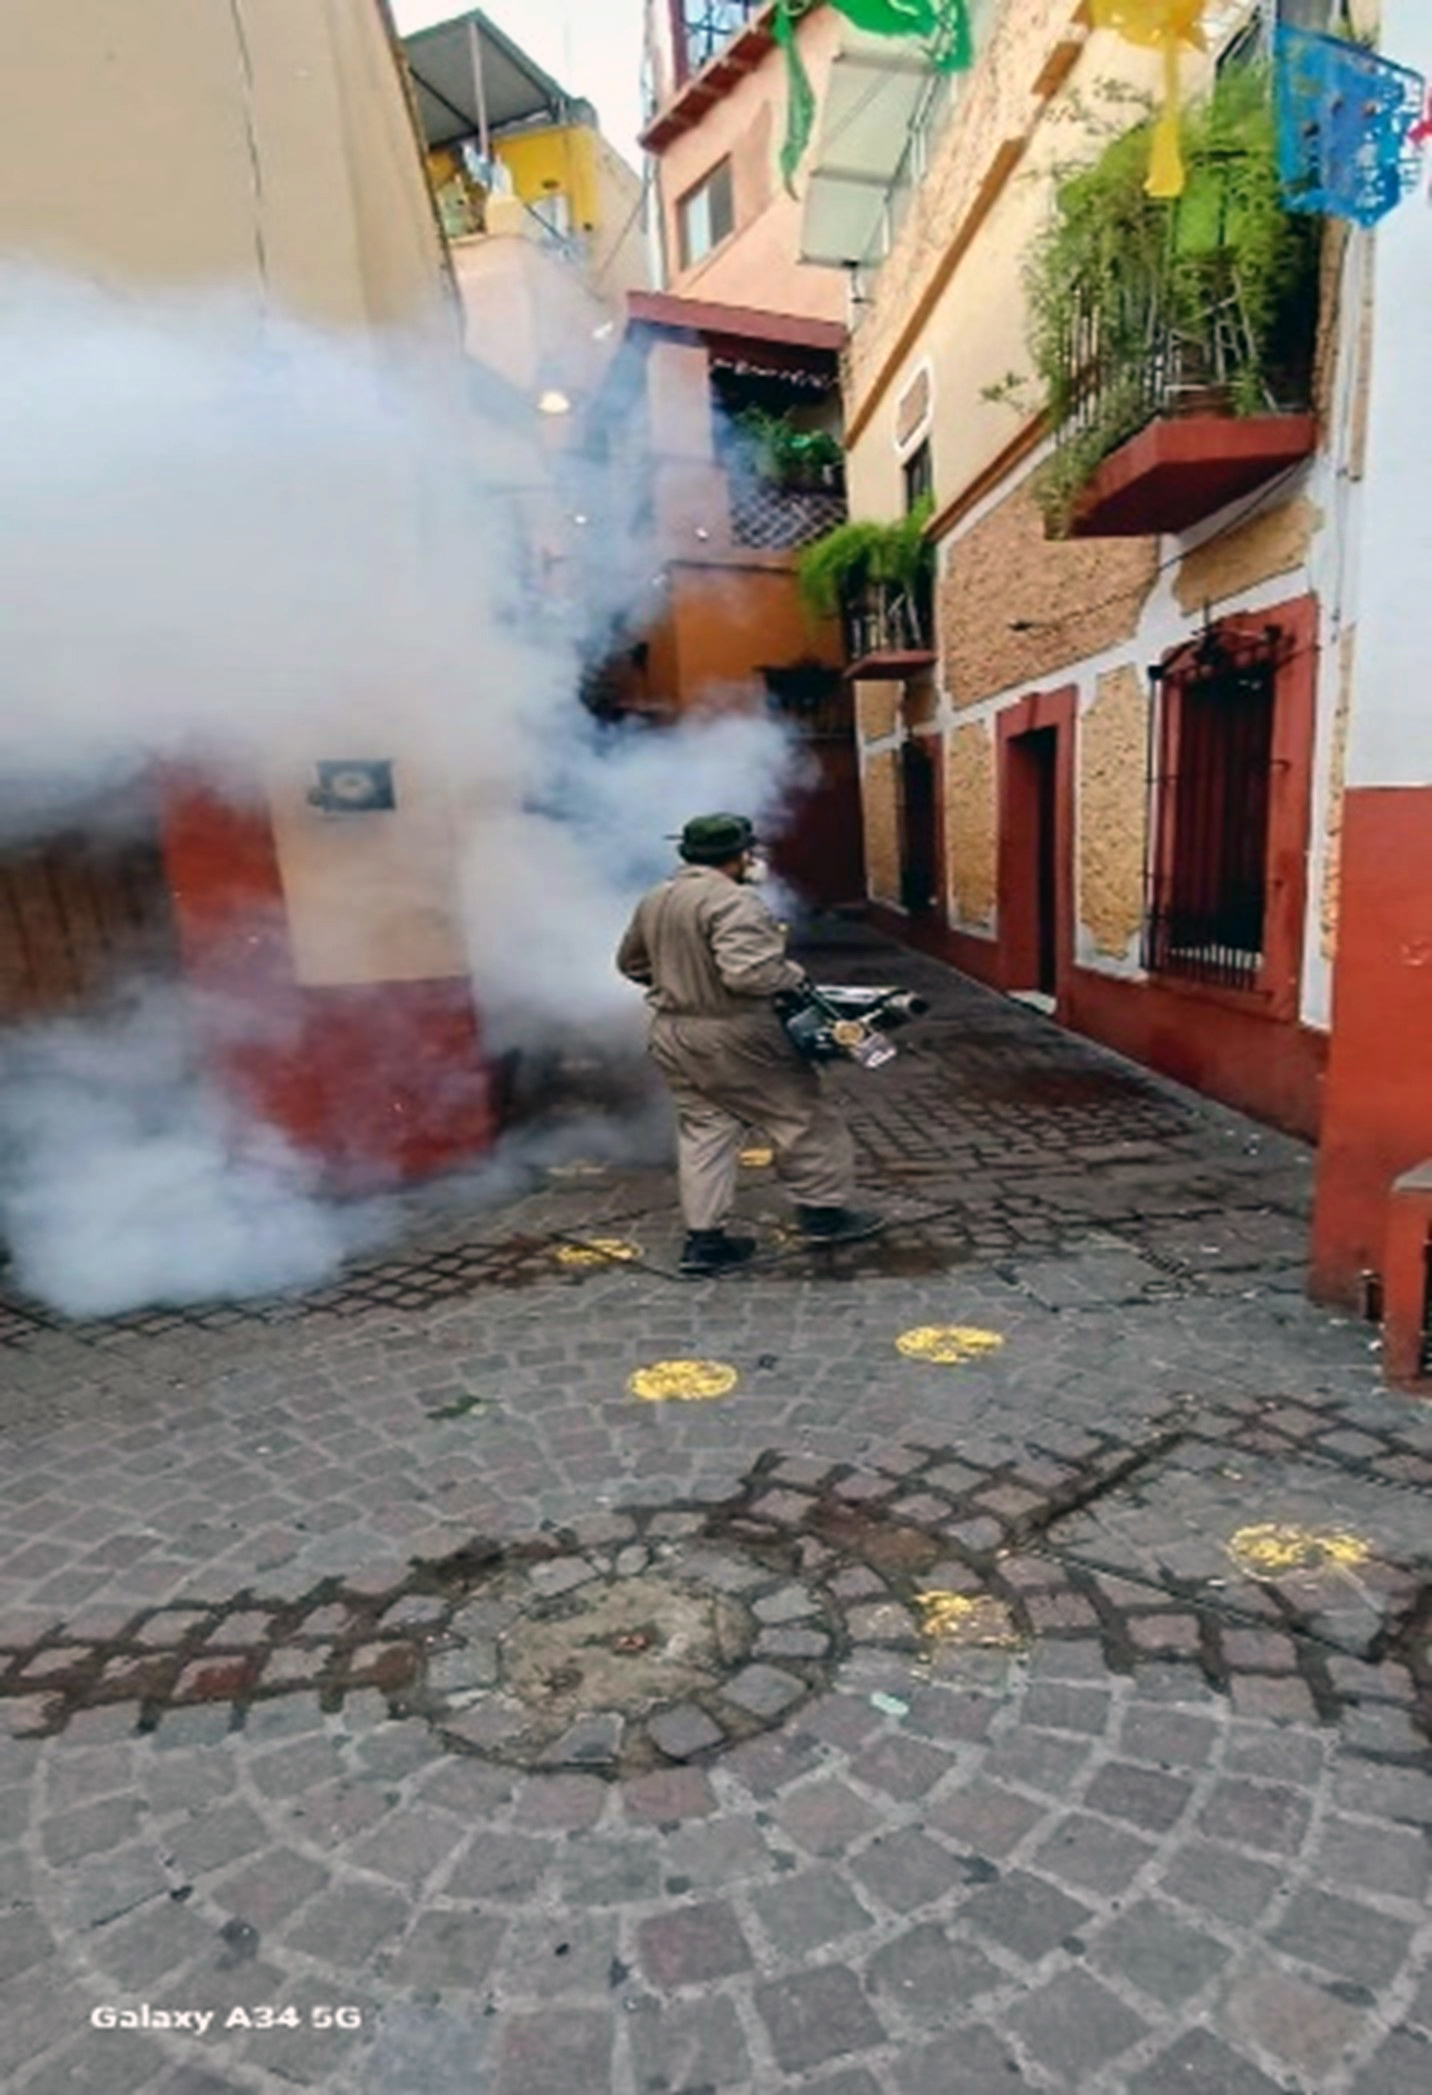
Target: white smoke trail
{"x":237,"y":546}
{"x":126,"y":1178}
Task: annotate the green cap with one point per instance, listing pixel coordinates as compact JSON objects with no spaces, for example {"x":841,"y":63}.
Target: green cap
{"x":710,"y":840}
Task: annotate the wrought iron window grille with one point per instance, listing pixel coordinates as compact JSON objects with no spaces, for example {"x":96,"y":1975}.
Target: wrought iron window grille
{"x":1211,"y":775}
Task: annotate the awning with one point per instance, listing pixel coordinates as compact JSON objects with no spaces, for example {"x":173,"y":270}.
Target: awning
{"x":444,"y":63}
{"x":876,"y":89}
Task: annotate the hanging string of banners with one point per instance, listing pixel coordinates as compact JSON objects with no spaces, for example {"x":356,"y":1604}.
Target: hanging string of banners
{"x":942,"y":26}
{"x":1352,"y":127}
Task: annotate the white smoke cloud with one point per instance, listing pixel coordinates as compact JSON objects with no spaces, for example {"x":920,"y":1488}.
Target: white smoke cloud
{"x":230,"y":544}
{"x":127,"y":1179}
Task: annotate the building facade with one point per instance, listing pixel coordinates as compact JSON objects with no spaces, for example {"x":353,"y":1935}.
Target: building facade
{"x":1120,"y":781}
{"x":271,"y":164}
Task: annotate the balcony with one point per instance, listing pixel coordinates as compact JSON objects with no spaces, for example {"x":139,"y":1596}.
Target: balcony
{"x":1176,"y":341}
{"x":709,"y":25}
{"x":1198,"y":424}
{"x":888,"y":634}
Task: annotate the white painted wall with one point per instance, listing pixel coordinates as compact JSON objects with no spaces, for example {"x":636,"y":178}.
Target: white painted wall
{"x":1391,"y":737}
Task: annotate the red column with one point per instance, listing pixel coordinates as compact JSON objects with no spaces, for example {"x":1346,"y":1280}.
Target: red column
{"x":1377,"y":1115}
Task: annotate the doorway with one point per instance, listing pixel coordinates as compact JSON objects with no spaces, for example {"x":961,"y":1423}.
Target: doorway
{"x":1036,"y":848}
{"x":919,"y":827}
{"x":1042,"y":755}
{"x":79,"y":912}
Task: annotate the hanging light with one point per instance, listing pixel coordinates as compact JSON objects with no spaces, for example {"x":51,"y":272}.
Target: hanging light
{"x":553,"y":401}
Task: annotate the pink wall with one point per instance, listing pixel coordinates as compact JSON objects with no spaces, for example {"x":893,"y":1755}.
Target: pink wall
{"x":757,"y":265}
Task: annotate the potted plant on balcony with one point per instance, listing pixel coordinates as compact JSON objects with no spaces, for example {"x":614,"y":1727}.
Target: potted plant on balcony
{"x":795,"y":460}
{"x":876,"y":578}
{"x":1142,"y":308}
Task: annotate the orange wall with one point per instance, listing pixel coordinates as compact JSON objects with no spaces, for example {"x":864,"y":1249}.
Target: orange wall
{"x":735,"y":617}
{"x":757,"y":265}
{"x":1377,"y":1120}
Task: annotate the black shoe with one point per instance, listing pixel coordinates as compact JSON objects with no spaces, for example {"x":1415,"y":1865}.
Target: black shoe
{"x":839,"y":1225}
{"x":712,"y":1251}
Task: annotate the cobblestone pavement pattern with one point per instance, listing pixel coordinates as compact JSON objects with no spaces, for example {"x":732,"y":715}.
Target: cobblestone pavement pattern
{"x":1052,"y":1714}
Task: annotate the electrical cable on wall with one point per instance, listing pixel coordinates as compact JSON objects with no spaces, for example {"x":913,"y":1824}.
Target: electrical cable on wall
{"x":246,"y":75}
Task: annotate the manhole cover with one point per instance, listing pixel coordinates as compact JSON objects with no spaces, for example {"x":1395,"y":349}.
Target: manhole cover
{"x":626,"y":1657}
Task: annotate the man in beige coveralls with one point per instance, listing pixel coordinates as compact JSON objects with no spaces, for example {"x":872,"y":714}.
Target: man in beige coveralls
{"x":711,"y":958}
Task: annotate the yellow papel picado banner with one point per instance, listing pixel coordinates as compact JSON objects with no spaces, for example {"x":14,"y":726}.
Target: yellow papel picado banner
{"x":1171,"y":27}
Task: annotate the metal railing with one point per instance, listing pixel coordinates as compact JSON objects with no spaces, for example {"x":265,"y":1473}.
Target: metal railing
{"x":1134,"y":355}
{"x":886,"y":620}
{"x":774,"y":519}
{"x":709,"y":25}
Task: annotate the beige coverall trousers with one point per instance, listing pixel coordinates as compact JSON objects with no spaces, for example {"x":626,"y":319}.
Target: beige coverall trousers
{"x":729,"y":1076}
{"x":711,"y":957}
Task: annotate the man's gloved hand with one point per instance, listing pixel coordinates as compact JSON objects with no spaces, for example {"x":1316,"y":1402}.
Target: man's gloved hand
{"x":788,"y":1001}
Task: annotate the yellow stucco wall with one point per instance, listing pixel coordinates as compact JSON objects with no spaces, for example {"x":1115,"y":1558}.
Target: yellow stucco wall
{"x":273,"y":160}
{"x":174,"y":110}
{"x":1113,"y":810}
{"x":1275,"y":543}
{"x":971,"y":825}
{"x":881,"y":792}
{"x":877,"y":709}
{"x":1016,"y":607}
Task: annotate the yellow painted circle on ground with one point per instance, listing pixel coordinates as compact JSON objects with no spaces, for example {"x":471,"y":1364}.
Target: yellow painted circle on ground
{"x":1272,"y":1549}
{"x":965,"y":1618}
{"x":757,"y":1159}
{"x":598,"y":1251}
{"x":683,"y":1381}
{"x":951,"y":1344}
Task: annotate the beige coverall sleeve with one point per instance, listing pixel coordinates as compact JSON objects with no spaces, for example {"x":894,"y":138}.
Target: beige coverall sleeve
{"x":633,"y":959}
{"x":749,"y":947}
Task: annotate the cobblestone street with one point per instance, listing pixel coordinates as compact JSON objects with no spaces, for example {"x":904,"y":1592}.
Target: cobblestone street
{"x":1009,"y":1667}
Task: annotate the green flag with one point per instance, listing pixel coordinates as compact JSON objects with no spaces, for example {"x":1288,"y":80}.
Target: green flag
{"x":891,"y":17}
{"x":800,"y":95}
{"x":952,"y":47}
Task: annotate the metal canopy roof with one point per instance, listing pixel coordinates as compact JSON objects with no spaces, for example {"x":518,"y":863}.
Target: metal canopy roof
{"x":875,"y":91}
{"x":515,"y":89}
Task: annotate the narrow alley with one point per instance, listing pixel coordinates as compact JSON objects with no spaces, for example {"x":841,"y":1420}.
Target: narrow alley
{"x":1015,"y":1673}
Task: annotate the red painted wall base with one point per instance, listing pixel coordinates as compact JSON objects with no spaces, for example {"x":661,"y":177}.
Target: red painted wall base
{"x":1406,"y":1273}
{"x":1378,"y":1115}
{"x":379,"y":1082}
{"x":1256,"y":1064}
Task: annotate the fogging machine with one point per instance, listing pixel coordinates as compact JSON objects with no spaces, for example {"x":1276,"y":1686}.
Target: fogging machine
{"x":826,"y":1024}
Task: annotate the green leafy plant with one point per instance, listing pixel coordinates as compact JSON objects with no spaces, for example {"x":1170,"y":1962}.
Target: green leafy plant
{"x":789,"y":456}
{"x":1140,"y":307}
{"x":861,"y":557}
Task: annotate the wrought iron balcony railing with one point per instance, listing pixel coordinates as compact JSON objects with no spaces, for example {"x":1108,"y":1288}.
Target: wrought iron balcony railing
{"x":887,"y":621}
{"x":1138,"y":355}
{"x":778,"y":519}
{"x":709,"y":25}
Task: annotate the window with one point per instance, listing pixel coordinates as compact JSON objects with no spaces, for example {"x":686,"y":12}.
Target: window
{"x":710,"y":26}
{"x":919,"y":476}
{"x":705,"y":215}
{"x":1211,"y":816}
